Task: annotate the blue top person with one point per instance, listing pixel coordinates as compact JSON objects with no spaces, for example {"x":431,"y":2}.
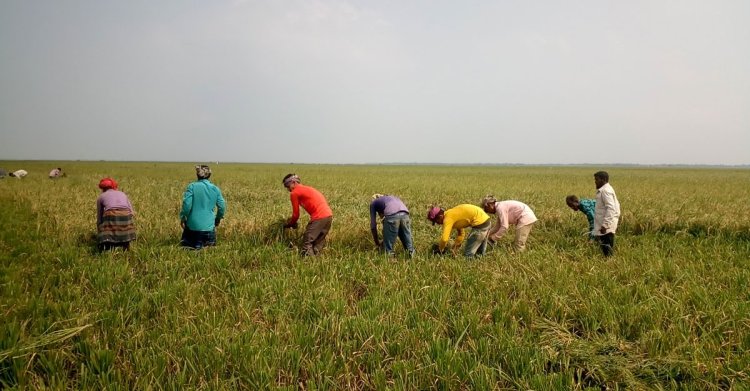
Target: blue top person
{"x":585,"y":206}
{"x":396,"y":222}
{"x":197,"y":215}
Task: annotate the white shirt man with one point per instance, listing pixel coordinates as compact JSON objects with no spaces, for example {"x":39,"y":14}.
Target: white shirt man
{"x":606,"y":213}
{"x":19,"y":174}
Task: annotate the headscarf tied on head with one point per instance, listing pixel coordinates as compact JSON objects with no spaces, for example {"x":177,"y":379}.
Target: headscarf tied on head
{"x":202,"y":171}
{"x":108,"y":183}
{"x":433,"y":213}
{"x":488,"y":200}
{"x":377,"y":195}
{"x":291,"y":178}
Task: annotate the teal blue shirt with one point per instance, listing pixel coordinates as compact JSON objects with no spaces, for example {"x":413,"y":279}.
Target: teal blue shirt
{"x":587,"y":206}
{"x":198,"y":203}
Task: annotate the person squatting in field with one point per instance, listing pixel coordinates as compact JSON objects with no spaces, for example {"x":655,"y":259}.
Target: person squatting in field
{"x":56,"y":173}
{"x":460,"y":218}
{"x":18,"y":174}
{"x":315,"y":204}
{"x":114,"y":217}
{"x":509,"y":213}
{"x":606,"y":213}
{"x":396,"y":223}
{"x":585,"y":206}
{"x":197,"y":217}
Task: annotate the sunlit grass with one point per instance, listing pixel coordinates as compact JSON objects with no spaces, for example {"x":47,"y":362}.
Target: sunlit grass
{"x":671,"y":310}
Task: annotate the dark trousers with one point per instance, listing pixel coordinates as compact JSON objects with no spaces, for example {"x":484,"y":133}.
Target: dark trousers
{"x":198,"y":239}
{"x":607,"y":243}
{"x":314,"y":238}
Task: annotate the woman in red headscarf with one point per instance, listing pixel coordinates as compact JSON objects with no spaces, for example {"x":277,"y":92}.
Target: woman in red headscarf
{"x":114,"y":217}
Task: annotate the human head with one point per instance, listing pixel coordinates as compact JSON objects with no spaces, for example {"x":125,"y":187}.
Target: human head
{"x":290,"y":181}
{"x":573,"y":202}
{"x":488,"y":203}
{"x":436,"y":215}
{"x":600,"y":178}
{"x":107,"y":183}
{"x":202,"y":171}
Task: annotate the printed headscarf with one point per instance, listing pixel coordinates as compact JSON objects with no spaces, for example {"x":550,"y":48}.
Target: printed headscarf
{"x":290,"y":179}
{"x":202,"y":171}
{"x":488,"y":200}
{"x":377,"y":195}
{"x":108,"y":183}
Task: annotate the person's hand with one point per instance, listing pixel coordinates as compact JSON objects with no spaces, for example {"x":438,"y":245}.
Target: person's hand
{"x":290,"y":225}
{"x":436,"y":250}
{"x":602,"y":230}
{"x":182,"y":224}
{"x":216,"y":222}
{"x":491,"y":242}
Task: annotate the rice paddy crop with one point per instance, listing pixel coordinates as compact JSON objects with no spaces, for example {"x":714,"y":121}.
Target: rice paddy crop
{"x":671,"y":310}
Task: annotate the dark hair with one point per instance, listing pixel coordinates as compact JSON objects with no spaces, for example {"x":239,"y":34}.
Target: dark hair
{"x":602,"y":175}
{"x":571,"y":198}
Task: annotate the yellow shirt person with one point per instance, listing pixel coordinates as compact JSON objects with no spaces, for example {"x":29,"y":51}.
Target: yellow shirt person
{"x":459,"y":218}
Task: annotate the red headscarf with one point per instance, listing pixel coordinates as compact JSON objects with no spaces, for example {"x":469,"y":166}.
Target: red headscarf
{"x":108,"y":183}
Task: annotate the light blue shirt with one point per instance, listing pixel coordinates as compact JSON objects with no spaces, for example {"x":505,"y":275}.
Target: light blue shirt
{"x":587,"y":207}
{"x":198,"y":203}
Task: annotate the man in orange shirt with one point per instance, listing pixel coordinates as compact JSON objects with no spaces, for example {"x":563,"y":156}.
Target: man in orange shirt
{"x":321,"y":216}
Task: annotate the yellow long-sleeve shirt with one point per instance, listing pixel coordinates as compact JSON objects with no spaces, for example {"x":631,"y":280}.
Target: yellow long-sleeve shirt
{"x":460,"y":217}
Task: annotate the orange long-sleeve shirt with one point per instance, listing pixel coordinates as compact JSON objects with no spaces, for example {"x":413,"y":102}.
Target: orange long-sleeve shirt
{"x":311,"y":200}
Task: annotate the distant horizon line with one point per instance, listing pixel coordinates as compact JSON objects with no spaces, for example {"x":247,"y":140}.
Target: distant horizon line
{"x":745,"y":165}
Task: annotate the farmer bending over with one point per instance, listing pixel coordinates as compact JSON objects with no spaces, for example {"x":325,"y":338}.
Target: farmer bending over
{"x":396,"y":223}
{"x":585,"y":206}
{"x":315,"y":204}
{"x":460,"y":218}
{"x":197,"y":216}
{"x":509,"y":213}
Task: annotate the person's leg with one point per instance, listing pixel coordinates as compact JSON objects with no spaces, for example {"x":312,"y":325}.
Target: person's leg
{"x":320,"y":240}
{"x":308,"y":238}
{"x":522,"y":235}
{"x":404,"y":234}
{"x":607,"y":244}
{"x":208,"y":238}
{"x":483,"y":246}
{"x":484,"y":233}
{"x":197,"y":239}
{"x":187,"y":239}
{"x":476,"y":241}
{"x":390,"y":232}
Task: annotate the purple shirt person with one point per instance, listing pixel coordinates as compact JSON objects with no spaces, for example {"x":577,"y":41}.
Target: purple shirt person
{"x":114,"y":217}
{"x":396,"y":223}
{"x":111,"y":199}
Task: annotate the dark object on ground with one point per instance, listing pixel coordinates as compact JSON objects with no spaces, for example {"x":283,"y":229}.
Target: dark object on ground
{"x":436,"y":250}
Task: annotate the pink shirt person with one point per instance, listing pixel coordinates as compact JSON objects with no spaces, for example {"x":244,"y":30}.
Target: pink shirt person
{"x":509,"y":213}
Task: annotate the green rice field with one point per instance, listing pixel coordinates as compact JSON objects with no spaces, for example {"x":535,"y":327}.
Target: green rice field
{"x":671,"y":309}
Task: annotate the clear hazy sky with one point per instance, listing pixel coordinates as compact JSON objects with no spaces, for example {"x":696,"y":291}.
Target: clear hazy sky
{"x":645,"y":81}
